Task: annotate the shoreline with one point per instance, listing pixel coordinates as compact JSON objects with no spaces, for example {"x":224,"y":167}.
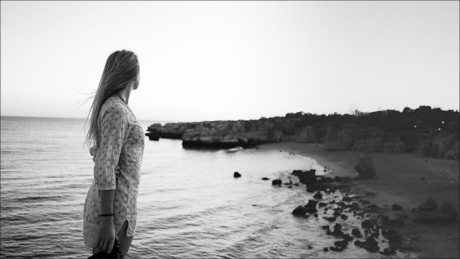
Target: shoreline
{"x":422,"y":178}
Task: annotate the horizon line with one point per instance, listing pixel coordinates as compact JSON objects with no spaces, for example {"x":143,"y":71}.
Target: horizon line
{"x":175,"y":121}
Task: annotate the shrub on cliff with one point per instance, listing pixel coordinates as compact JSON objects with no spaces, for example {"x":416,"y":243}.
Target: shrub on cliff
{"x":365,"y":167}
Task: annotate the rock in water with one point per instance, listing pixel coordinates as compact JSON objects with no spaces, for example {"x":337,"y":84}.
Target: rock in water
{"x":388,"y":252}
{"x":299,"y":211}
{"x":318,"y":196}
{"x":236,"y":175}
{"x":311,"y":206}
{"x":322,"y":204}
{"x":336,"y":249}
{"x":355,"y":232}
{"x":337,"y":230}
{"x":342,"y":244}
{"x":370,"y":245}
{"x":369,"y":223}
{"x":277,"y":182}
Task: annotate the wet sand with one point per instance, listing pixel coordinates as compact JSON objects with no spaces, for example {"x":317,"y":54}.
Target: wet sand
{"x":402,"y":179}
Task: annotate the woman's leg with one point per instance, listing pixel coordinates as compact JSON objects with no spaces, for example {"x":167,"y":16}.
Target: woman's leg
{"x":125,"y":241}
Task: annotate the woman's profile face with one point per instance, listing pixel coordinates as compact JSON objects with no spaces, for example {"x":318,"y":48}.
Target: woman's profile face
{"x":136,"y":83}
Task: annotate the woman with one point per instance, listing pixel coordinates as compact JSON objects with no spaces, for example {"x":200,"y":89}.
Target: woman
{"x":117,"y":145}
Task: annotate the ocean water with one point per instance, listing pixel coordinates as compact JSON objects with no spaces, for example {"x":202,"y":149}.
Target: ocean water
{"x":189,"y":204}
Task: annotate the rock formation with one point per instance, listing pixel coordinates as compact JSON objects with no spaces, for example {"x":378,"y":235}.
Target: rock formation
{"x":425,"y":132}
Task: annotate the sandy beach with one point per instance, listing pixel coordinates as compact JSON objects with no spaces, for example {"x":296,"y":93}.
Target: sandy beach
{"x":405,"y":180}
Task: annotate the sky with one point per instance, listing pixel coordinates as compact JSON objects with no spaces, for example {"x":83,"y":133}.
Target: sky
{"x":232,"y":60}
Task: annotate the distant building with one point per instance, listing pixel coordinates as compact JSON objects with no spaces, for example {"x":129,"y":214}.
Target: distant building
{"x":359,"y":113}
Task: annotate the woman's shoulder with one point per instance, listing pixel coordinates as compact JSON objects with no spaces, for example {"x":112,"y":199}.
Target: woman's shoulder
{"x":113,"y":106}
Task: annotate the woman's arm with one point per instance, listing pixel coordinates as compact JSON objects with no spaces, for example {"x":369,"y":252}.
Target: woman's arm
{"x":107,"y":237}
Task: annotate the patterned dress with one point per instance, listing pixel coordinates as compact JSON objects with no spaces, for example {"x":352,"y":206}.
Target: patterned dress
{"x":117,"y":166}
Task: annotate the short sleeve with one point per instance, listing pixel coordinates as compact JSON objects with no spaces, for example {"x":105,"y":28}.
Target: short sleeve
{"x":113,"y":127}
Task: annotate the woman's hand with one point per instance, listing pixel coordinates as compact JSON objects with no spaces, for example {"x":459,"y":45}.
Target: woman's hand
{"x":106,"y":234}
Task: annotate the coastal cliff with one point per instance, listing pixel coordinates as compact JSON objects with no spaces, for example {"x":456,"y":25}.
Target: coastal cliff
{"x":424,"y":131}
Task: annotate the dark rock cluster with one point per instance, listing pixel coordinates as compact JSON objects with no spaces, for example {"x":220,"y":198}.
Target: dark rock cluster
{"x":376,"y":232}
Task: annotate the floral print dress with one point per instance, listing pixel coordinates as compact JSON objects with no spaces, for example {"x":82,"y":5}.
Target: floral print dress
{"x":117,"y":166}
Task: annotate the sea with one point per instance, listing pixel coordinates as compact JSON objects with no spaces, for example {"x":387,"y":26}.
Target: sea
{"x":189,"y":203}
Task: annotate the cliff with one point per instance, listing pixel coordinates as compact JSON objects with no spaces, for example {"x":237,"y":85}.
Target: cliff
{"x":424,"y":131}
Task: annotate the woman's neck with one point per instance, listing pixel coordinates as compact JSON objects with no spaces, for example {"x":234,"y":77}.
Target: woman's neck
{"x":124,"y":94}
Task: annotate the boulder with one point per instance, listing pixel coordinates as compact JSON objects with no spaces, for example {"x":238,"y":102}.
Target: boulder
{"x":347,"y":237}
{"x":369,"y":223}
{"x":322,"y":204}
{"x":388,"y":252}
{"x":318,"y":196}
{"x":331,"y":219}
{"x":236,"y":175}
{"x":336,"y":249}
{"x":277,"y":182}
{"x":299,"y":211}
{"x":305,"y":177}
{"x":337,"y":230}
{"x":356,"y":233}
{"x":153,"y":136}
{"x":370,"y":244}
{"x":311,"y":206}
{"x":342,"y":244}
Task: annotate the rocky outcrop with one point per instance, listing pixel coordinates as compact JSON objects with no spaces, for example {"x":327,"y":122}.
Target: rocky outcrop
{"x":412,"y":131}
{"x":169,"y":130}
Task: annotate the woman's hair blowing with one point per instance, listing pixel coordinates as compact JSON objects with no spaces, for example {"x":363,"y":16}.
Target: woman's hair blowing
{"x":121,"y":69}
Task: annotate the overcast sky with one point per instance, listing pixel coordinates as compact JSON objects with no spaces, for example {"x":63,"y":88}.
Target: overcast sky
{"x":232,"y":60}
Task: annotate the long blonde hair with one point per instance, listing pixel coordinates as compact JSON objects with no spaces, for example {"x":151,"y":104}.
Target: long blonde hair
{"x":121,"y":69}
